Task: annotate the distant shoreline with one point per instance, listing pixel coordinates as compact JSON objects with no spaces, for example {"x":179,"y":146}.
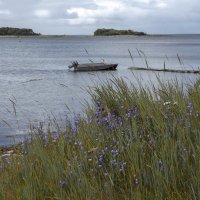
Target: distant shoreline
{"x":113,"y":36}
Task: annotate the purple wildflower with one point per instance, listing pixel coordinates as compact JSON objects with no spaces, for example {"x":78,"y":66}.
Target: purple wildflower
{"x":97,"y":114}
{"x":106,"y":174}
{"x":101,"y":158}
{"x":109,"y":116}
{"x":136,"y":180}
{"x":55,"y":135}
{"x":90,"y":119}
{"x":105,"y":119}
{"x":103,"y":111}
{"x":128,"y":115}
{"x":161,"y":166}
{"x":112,"y":126}
{"x":121,"y":166}
{"x":62,"y":183}
{"x":98,"y":104}
{"x":6,"y":160}
{"x":80,"y":145}
{"x":114,"y":162}
{"x":99,"y":123}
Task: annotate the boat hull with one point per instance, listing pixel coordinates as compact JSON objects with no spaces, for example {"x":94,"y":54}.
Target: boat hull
{"x":95,"y":67}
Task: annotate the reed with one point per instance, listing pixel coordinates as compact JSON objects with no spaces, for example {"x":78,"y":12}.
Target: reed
{"x":164,"y":69}
{"x":131,"y":143}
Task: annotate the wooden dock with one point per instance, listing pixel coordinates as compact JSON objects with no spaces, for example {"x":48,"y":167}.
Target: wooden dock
{"x":166,"y":70}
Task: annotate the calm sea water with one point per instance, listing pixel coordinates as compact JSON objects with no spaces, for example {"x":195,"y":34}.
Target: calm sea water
{"x":35,"y":83}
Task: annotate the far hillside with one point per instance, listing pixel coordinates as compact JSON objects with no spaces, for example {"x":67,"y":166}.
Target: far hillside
{"x":110,"y":32}
{"x":8,"y":31}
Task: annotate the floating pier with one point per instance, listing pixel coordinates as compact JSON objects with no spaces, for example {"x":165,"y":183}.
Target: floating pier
{"x":166,"y":70}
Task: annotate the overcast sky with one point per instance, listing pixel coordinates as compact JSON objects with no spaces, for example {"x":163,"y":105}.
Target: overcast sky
{"x":84,"y":16}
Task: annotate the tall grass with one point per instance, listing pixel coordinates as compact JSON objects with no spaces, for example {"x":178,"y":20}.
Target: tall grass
{"x":133,"y":143}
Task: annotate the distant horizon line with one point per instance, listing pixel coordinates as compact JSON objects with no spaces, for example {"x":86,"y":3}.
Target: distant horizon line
{"x":62,"y":35}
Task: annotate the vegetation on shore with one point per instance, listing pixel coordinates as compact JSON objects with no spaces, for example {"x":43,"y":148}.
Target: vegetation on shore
{"x":110,"y":32}
{"x":132,"y":143}
{"x":8,"y":31}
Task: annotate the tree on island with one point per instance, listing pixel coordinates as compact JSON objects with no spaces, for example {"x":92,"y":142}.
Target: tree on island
{"x":8,"y":31}
{"x":110,"y":32}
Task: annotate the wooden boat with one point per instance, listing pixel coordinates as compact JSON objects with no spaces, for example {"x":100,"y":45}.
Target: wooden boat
{"x":92,"y":66}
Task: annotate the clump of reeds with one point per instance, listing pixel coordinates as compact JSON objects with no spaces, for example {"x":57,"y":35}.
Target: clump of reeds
{"x":133,"y":143}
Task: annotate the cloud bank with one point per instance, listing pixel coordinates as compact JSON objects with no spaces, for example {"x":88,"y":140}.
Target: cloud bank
{"x":84,"y":16}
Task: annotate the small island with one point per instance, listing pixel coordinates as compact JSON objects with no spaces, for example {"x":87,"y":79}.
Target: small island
{"x":111,"y":32}
{"x":8,"y":31}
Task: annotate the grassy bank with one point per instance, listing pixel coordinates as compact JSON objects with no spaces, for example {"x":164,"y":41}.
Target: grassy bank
{"x":132,"y":143}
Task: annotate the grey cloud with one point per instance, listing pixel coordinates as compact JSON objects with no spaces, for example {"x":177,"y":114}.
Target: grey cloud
{"x":153,"y":16}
